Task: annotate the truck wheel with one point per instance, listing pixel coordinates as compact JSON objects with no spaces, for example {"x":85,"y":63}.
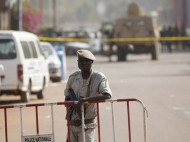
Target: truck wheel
{"x":25,"y":95}
{"x":41,"y":93}
{"x":155,"y":52}
{"x":121,"y":54}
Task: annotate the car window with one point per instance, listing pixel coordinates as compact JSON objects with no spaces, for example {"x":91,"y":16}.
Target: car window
{"x":26,"y":50}
{"x":47,"y":49}
{"x":40,"y":48}
{"x":7,"y":49}
{"x":33,"y":49}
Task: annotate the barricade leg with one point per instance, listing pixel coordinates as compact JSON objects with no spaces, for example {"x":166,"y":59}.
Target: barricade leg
{"x":98,"y":118}
{"x":52,"y":123}
{"x":21,"y":121}
{"x":68,"y":126}
{"x":113,"y":122}
{"x":129,"y":122}
{"x":37,"y":123}
{"x":5,"y":115}
{"x":83,"y":125}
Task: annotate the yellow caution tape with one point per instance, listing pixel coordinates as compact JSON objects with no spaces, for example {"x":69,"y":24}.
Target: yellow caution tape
{"x":115,"y":39}
{"x":63,"y":39}
{"x":148,"y":39}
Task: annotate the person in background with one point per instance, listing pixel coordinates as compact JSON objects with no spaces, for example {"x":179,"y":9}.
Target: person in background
{"x":163,"y":33}
{"x":169,"y":42}
{"x":183,"y":34}
{"x":176,"y":33}
{"x":87,"y":85}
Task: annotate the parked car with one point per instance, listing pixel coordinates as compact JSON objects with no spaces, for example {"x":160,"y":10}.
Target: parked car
{"x":72,"y":47}
{"x":87,"y":39}
{"x":53,"y":61}
{"x":25,"y":66}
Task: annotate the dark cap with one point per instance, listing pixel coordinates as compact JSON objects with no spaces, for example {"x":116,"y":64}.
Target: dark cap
{"x":86,"y":54}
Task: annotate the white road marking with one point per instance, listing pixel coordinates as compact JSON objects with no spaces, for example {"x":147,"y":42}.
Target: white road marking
{"x":178,"y":108}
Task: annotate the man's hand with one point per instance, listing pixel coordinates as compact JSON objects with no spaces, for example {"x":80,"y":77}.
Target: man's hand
{"x":68,"y":98}
{"x":78,"y":107}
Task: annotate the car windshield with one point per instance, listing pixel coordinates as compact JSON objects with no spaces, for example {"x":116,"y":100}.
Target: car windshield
{"x":79,"y":34}
{"x":7,"y":49}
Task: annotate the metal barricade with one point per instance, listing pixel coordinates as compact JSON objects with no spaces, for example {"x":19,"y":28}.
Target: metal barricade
{"x":50,"y":137}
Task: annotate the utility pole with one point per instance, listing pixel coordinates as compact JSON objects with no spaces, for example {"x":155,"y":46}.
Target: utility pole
{"x":54,"y":14}
{"x":2,"y":4}
{"x":19,"y":15}
{"x":41,"y":6}
{"x":184,"y":13}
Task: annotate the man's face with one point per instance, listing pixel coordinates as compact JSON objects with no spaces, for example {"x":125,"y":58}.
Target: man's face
{"x":84,"y":64}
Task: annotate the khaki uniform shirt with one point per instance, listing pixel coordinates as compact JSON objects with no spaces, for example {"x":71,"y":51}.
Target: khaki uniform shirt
{"x":99,"y":84}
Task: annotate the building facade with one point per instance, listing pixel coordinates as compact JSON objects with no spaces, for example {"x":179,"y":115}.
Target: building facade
{"x":182,"y":13}
{"x":5,"y":13}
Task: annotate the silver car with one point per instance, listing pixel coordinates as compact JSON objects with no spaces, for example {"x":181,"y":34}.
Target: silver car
{"x":92,"y":40}
{"x":53,"y":61}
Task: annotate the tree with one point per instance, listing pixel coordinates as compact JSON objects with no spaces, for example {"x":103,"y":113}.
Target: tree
{"x":32,"y":18}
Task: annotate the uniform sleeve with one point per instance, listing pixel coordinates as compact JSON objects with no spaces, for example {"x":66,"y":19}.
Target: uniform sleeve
{"x":104,"y":86}
{"x":68,"y":85}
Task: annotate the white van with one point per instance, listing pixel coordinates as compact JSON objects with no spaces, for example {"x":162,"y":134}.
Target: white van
{"x":25,"y":66}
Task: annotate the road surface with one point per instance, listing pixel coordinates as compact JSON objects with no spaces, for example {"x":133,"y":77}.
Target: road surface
{"x":162,"y":85}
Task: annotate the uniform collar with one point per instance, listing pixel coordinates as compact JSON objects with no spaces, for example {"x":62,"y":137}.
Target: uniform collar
{"x":79,"y":76}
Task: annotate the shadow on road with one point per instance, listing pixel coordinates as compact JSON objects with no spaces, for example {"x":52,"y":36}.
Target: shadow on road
{"x":7,"y":102}
{"x":11,"y":100}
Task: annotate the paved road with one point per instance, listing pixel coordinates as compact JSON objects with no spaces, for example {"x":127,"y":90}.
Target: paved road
{"x":162,"y":85}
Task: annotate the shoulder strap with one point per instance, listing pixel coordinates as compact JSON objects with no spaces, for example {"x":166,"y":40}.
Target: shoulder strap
{"x":88,"y":89}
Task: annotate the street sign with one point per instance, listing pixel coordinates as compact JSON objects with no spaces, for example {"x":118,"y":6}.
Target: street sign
{"x":38,"y":138}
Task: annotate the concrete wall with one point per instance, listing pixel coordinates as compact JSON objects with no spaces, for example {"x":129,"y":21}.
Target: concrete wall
{"x":5,"y":17}
{"x":5,"y":20}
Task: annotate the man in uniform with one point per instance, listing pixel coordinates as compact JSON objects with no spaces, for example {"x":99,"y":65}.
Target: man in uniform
{"x":87,"y":85}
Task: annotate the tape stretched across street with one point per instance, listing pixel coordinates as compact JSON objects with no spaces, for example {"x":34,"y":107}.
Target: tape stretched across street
{"x":115,"y":39}
{"x":62,"y":39}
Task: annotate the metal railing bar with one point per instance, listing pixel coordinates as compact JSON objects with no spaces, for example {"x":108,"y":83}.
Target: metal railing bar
{"x":68,"y":126}
{"x":6,"y":129}
{"x":129,"y":121}
{"x":52,"y":118}
{"x":21,"y":121}
{"x":37,"y":123}
{"x":113,"y":122}
{"x":83,"y":125}
{"x":98,"y":118}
